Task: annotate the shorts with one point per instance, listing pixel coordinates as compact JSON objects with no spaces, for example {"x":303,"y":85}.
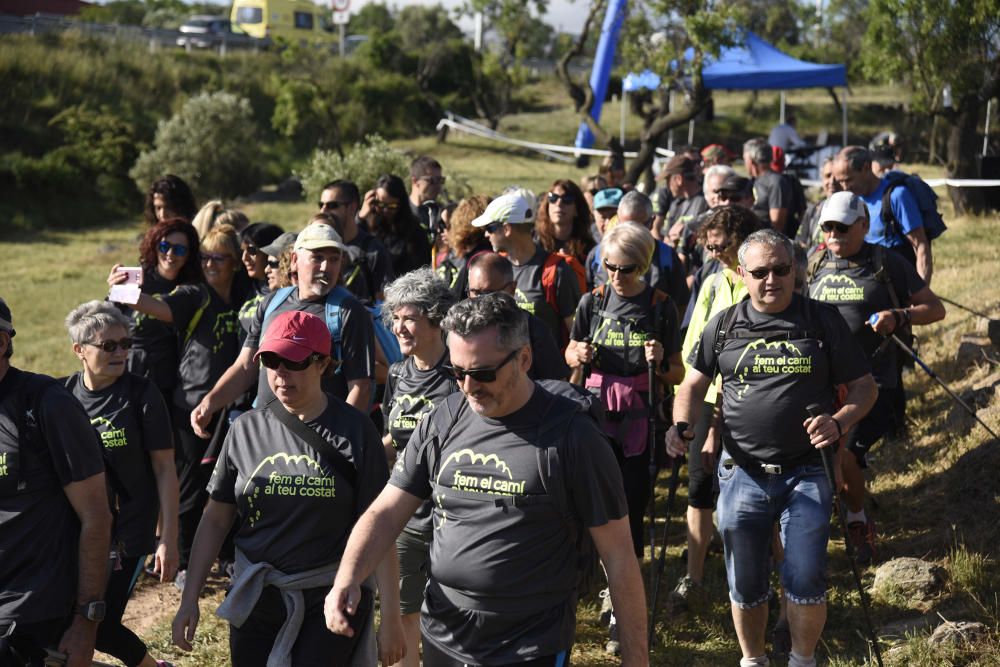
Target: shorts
{"x":875,"y":424}
{"x":800,"y":499}
{"x":435,"y":657}
{"x":414,"y":559}
{"x":701,"y":483}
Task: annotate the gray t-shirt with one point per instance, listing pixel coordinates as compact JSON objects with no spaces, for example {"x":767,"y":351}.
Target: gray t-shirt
{"x":767,"y":383}
{"x":770,"y":190}
{"x":530,"y":294}
{"x":129,"y":430}
{"x":39,"y":530}
{"x":494,"y":550}
{"x":357,"y":341}
{"x":295,"y":510}
{"x":851,"y":287}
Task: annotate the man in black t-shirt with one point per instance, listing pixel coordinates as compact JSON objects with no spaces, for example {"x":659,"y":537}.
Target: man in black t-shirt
{"x":859,"y":280}
{"x":489,"y":273}
{"x":317,"y":258}
{"x":55,"y":525}
{"x":778,"y":354}
{"x":772,"y":193}
{"x":501,"y":587}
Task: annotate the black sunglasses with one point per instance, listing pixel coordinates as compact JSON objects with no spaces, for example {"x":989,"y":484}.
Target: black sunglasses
{"x":479,"y":374}
{"x":717,"y":247}
{"x":566,"y":198}
{"x":492,"y":227}
{"x":829,"y":226}
{"x":179,"y":249}
{"x":781,"y":270}
{"x":333,"y":204}
{"x":272,"y":360}
{"x":112,"y":345}
{"x":251,"y":250}
{"x":474,"y":293}
{"x":628,"y":268}
{"x":273,"y":263}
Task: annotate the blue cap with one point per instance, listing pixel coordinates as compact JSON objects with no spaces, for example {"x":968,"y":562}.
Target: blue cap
{"x":608,"y":198}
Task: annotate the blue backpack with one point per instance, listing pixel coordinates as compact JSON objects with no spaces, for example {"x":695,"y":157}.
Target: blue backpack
{"x":926,"y":201}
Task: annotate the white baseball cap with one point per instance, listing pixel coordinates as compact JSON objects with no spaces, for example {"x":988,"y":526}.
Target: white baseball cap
{"x":843,"y":207}
{"x":512,"y":208}
{"x":319,"y":235}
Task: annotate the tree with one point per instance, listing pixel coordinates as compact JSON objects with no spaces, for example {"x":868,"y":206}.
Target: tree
{"x":371,"y":20}
{"x":931,"y":44}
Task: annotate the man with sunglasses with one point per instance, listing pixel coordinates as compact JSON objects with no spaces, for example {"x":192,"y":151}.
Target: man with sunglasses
{"x":502,"y":586}
{"x":779,"y":354}
{"x":490,"y":273}
{"x":860,"y":280}
{"x":317,"y":257}
{"x":546,"y":285}
{"x":55,"y":525}
{"x":342,"y":200}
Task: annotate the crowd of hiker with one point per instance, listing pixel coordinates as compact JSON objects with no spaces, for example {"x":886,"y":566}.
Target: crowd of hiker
{"x":455,"y":414}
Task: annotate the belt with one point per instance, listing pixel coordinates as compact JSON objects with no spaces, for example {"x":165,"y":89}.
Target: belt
{"x":753,"y":466}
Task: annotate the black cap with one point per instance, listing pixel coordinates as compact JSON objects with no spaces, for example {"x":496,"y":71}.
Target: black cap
{"x":6,"y":319}
{"x":738,"y":185}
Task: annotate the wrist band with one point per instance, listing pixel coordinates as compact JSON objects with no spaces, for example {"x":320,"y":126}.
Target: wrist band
{"x":898,"y":317}
{"x":840,"y":430}
{"x":907,"y":315}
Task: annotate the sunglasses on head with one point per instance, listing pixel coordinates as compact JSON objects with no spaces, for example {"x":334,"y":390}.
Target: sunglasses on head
{"x":566,"y":198}
{"x":627,"y":268}
{"x":781,"y":270}
{"x":829,"y":226}
{"x":332,"y":205}
{"x":180,"y":250}
{"x":479,"y":374}
{"x":272,"y":360}
{"x":112,"y":345}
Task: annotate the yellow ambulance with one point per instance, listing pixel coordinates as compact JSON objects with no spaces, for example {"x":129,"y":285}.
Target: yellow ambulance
{"x":297,"y":21}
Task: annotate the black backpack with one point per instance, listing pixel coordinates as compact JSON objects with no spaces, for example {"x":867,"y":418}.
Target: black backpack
{"x":797,"y":208}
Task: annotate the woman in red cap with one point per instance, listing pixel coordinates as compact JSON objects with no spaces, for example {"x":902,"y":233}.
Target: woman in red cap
{"x":294,"y":476}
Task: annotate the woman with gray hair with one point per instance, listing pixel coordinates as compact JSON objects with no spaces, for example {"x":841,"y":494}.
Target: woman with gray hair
{"x":415,"y":303}
{"x":131,"y":419}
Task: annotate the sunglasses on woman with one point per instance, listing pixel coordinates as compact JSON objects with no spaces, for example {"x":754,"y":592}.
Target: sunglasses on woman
{"x":626,"y":268}
{"x":110,"y":346}
{"x":717,"y":247}
{"x":179,"y":249}
{"x":273,"y":263}
{"x":566,"y":198}
{"x":385,"y":205}
{"x":478,"y":374}
{"x":781,"y":270}
{"x":272,"y":360}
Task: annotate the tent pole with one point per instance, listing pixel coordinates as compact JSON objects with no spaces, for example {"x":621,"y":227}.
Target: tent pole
{"x":670,"y":132}
{"x":781,"y":120}
{"x":624,"y":98}
{"x":844,"y":107}
{"x":986,"y":134}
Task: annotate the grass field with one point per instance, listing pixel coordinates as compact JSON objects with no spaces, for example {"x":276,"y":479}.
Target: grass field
{"x":937,"y":493}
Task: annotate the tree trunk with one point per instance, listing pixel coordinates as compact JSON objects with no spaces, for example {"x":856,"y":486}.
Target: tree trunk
{"x":961,"y":151}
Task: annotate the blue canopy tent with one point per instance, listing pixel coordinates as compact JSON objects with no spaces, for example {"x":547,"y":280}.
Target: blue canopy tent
{"x":757,"y":65}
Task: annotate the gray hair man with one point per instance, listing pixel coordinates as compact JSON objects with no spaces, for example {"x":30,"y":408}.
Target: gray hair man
{"x":772,"y":194}
{"x":501,"y":591}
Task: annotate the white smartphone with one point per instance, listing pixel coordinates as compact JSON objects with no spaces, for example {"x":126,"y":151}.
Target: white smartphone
{"x":133,"y":274}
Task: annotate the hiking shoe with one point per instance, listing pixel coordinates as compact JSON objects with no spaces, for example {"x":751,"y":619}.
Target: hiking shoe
{"x":606,"y":609}
{"x":862,"y":537}
{"x":687,"y":594}
{"x":613,"y":646}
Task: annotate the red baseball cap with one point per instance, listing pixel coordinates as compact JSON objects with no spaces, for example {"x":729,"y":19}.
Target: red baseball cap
{"x":295,"y":335}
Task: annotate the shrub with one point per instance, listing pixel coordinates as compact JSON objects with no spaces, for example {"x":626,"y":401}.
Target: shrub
{"x":362,"y":164}
{"x":211,"y":143}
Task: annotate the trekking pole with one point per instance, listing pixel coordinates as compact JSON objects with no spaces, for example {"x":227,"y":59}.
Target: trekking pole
{"x":826,"y":453}
{"x":965,"y":308}
{"x":927,"y":369}
{"x":651,"y":445}
{"x":675,"y":475}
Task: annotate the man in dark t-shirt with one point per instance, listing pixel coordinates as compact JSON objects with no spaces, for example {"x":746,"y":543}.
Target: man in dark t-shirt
{"x":859,"y":280}
{"x":342,"y":200}
{"x":500,"y":590}
{"x":772,"y":194}
{"x":317,"y":258}
{"x":778,"y":354}
{"x":55,"y":526}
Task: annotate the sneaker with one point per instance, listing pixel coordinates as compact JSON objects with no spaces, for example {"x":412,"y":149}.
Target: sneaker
{"x":180,"y":579}
{"x":613,"y":646}
{"x":687,"y":594}
{"x":862,"y":537}
{"x":606,"y":609}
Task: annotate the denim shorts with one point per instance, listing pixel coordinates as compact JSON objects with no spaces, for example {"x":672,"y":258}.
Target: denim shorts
{"x":799,"y":499}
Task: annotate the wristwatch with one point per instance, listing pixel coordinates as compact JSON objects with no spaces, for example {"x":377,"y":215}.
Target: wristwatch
{"x":92,"y":611}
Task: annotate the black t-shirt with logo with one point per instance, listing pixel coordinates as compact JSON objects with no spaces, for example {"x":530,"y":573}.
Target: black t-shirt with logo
{"x":530,"y":294}
{"x":770,"y":190}
{"x":129,"y":430}
{"x":249,"y":308}
{"x":154,"y":348}
{"x":209,"y":332}
{"x":295,"y":510}
{"x":39,"y":531}
{"x":767,"y":384}
{"x":410,"y":395}
{"x":851,"y":287}
{"x":620,"y":334}
{"x":508,"y":554}
{"x":357,"y":341}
